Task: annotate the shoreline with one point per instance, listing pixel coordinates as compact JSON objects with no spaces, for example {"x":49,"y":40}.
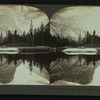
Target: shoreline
{"x":48,"y":49}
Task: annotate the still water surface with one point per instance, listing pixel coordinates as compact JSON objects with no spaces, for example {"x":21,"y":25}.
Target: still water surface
{"x":49,"y":69}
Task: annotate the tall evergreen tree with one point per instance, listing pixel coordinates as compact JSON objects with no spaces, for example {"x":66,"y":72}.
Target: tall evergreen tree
{"x":15,"y":36}
{"x":94,"y":35}
{"x":1,"y":38}
{"x":42,"y":33}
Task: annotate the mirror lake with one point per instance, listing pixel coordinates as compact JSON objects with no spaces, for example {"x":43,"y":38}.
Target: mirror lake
{"x":49,"y":69}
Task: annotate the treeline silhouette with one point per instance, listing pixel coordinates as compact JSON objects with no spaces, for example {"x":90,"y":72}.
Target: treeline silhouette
{"x":88,"y":40}
{"x":41,"y":36}
{"x":38,"y":36}
{"x":91,"y":39}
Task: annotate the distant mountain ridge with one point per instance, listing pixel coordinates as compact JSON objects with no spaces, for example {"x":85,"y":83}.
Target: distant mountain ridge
{"x":70,"y":27}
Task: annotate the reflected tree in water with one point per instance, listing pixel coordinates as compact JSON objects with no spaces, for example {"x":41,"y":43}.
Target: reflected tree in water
{"x":44,"y":60}
{"x":62,"y":61}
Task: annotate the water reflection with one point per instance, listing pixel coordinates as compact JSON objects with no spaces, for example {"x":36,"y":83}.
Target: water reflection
{"x":53,"y":68}
{"x":78,"y":69}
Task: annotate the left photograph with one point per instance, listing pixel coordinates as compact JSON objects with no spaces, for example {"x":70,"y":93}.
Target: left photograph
{"x":24,"y":40}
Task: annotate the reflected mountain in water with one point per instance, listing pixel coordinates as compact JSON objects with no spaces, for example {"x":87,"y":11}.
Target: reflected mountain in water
{"x":7,"y":70}
{"x":78,"y":69}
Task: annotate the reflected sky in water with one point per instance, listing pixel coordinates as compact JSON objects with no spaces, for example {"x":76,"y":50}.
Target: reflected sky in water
{"x":49,"y":69}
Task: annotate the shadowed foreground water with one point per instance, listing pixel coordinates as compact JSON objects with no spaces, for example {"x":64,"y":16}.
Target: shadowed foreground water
{"x":51,"y":68}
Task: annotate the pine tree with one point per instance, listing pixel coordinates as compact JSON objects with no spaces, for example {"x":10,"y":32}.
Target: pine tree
{"x":31,"y":33}
{"x":15,"y":36}
{"x":42,"y":33}
{"x":80,"y":39}
{"x":94,"y":36}
{"x":9,"y":38}
{"x":24,"y":38}
{"x":1,"y":38}
{"x":42,"y":27}
{"x":35,"y":30}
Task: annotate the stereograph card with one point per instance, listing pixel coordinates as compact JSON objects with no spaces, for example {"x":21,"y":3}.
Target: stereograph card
{"x":49,"y":51}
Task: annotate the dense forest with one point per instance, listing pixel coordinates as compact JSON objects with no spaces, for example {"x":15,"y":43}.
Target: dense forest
{"x":41,"y":37}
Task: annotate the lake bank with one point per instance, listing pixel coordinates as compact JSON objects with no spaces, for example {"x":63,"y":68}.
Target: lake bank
{"x":31,"y":50}
{"x":48,"y":49}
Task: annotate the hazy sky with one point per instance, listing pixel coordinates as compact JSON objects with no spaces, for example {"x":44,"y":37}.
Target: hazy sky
{"x":72,"y":20}
{"x":19,"y":17}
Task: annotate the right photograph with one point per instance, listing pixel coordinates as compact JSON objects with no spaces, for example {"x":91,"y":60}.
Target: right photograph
{"x":75,"y":35}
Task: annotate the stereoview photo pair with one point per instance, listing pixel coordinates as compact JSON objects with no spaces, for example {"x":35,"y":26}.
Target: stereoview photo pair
{"x":62,"y":50}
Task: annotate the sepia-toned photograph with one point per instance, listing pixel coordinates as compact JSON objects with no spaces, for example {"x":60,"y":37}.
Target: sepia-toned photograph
{"x":37,"y":50}
{"x":24,"y":36}
{"x":77,"y":33}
